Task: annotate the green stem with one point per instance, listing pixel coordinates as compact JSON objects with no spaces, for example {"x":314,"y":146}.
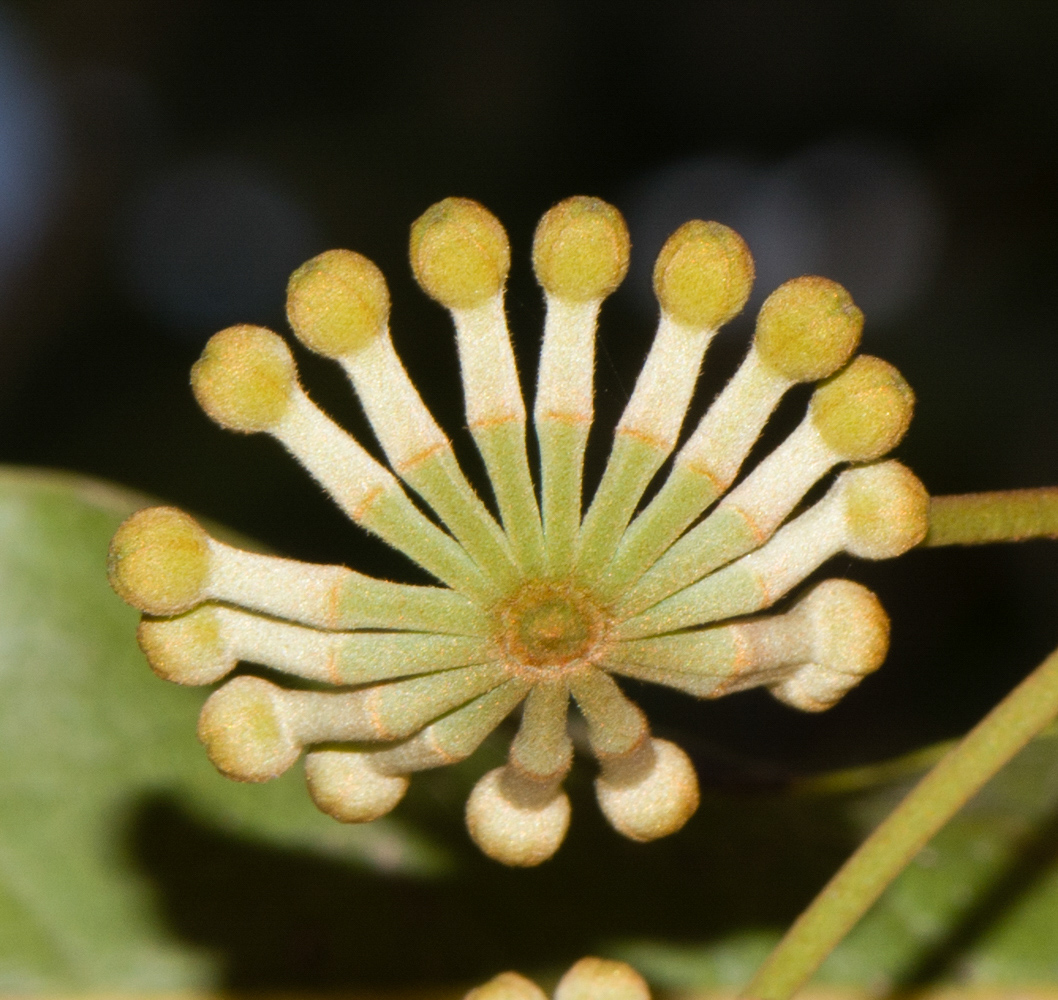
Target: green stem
{"x":961,"y":773}
{"x":1006,"y":516}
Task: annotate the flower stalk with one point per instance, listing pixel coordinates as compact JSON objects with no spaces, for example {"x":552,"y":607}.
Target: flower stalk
{"x":1001,"y":516}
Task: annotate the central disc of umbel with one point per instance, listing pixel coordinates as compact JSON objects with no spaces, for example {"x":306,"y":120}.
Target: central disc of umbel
{"x":550,"y":626}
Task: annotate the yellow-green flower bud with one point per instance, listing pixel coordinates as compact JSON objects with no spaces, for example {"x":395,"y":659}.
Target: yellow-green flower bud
{"x":848,"y":626}
{"x":863,"y":411}
{"x":848,"y":637}
{"x":650,"y":792}
{"x":580,"y":250}
{"x":808,"y":328}
{"x":344,"y":785}
{"x":507,"y":986}
{"x":159,"y":560}
{"x":244,"y":731}
{"x":886,"y":511}
{"x":601,"y":979}
{"x":703,"y":275}
{"x":459,"y":253}
{"x":245,"y":378}
{"x":337,"y":303}
{"x":515,"y":820}
{"x":187,"y":650}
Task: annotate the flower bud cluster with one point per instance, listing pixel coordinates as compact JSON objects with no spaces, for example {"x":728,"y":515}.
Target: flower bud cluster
{"x":539,"y":602}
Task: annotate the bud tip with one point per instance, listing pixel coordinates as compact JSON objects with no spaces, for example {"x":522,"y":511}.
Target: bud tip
{"x":459,"y":253}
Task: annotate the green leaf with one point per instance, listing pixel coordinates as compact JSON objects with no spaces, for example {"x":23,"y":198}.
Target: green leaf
{"x":88,"y":738}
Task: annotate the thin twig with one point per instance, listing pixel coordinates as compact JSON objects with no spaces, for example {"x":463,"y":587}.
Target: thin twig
{"x":1003,"y":516}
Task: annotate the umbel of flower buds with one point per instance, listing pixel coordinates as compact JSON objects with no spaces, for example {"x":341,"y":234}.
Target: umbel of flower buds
{"x":538,"y":603}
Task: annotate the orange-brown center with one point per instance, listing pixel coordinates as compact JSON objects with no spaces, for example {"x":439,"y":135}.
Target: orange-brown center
{"x":550,"y":626}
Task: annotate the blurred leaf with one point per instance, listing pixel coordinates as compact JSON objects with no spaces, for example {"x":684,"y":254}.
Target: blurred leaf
{"x":87,"y":735}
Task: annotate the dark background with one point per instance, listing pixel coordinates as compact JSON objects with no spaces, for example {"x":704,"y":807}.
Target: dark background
{"x":164,"y":165}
